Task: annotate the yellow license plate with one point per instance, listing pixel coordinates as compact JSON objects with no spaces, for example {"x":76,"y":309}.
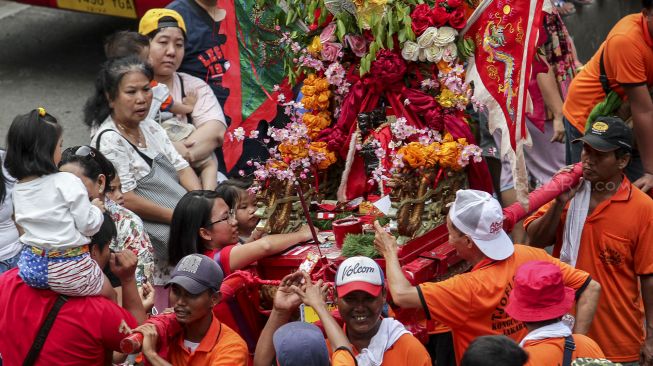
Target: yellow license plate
{"x":120,"y":8}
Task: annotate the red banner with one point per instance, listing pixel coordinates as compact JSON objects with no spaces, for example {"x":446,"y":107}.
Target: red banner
{"x":505,"y":34}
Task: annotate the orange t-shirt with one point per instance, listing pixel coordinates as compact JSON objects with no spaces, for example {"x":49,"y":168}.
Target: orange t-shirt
{"x":615,"y":247}
{"x":473,"y":304}
{"x":220,"y":346}
{"x":407,"y":350}
{"x":628,"y":59}
{"x":342,"y":357}
{"x":549,"y":352}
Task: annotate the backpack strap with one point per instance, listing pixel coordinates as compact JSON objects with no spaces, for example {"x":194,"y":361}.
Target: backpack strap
{"x":189,"y":117}
{"x":603,"y":78}
{"x":42,"y":335}
{"x":147,"y":159}
{"x":570,"y":346}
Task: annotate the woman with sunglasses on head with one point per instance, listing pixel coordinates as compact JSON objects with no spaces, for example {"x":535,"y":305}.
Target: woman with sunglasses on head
{"x":96,"y":172}
{"x":203,"y":223}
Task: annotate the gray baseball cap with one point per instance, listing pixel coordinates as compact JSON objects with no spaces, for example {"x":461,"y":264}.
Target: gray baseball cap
{"x":299,"y":344}
{"x":197,"y":273}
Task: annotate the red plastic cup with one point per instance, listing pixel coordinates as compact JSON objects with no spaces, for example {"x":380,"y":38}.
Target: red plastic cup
{"x":132,"y":343}
{"x":342,"y":227}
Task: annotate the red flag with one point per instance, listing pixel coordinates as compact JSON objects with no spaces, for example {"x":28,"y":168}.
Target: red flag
{"x":505,"y":34}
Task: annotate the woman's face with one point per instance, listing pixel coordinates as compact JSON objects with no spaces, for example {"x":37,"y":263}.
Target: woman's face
{"x":247,"y":221}
{"x":115,"y":191}
{"x":133,"y":97}
{"x":223,"y":229}
{"x":94,"y":188}
{"x":166,"y":51}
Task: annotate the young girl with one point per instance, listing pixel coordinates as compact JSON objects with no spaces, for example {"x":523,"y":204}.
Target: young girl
{"x":236,"y":195}
{"x":53,"y":210}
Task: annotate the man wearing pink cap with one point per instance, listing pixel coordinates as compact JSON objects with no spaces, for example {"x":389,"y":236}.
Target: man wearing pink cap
{"x":474,"y":303}
{"x":540,"y":299}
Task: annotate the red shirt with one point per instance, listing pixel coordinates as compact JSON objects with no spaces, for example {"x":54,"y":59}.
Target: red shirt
{"x":85,"y":328}
{"x":222,"y":256}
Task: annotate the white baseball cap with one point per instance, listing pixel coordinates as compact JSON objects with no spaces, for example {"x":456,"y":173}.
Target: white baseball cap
{"x":479,"y":215}
{"x":359,"y":274}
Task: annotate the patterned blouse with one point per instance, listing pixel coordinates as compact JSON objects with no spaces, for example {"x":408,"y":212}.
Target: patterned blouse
{"x":132,"y":236}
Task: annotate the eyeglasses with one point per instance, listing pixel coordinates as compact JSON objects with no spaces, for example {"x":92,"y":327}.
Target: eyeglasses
{"x":231,"y":215}
{"x":85,"y":151}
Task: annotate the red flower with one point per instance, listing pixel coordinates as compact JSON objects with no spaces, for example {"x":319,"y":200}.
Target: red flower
{"x":388,"y":68}
{"x":457,"y":18}
{"x":439,"y":16}
{"x":421,"y":19}
{"x":454,"y":4}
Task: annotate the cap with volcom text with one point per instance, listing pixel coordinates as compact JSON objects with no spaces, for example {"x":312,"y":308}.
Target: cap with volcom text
{"x":608,"y":134}
{"x":359,"y":274}
{"x":197,"y":273}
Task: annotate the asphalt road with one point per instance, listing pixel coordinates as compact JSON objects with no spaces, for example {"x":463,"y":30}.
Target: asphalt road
{"x":49,"y":58}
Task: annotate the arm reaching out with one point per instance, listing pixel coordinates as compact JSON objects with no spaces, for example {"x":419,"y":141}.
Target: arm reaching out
{"x":285,"y":303}
{"x":403,"y":293}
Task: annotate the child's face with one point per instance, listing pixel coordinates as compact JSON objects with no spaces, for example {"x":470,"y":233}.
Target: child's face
{"x":115,"y":191}
{"x":56,"y":157}
{"x":145,"y":54}
{"x":245,"y":213}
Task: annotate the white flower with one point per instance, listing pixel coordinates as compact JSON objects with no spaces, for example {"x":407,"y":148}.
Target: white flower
{"x":450,"y":52}
{"x":253,"y":134}
{"x":422,"y":55}
{"x":428,"y":37}
{"x":434,"y":54}
{"x":406,"y":101}
{"x":410,"y":51}
{"x":445,"y":36}
{"x":239,"y":134}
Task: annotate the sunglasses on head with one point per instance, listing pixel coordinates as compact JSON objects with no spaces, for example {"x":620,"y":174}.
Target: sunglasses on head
{"x":84,"y":151}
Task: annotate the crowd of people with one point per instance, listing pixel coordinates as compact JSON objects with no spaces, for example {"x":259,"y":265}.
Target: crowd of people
{"x":136,"y":232}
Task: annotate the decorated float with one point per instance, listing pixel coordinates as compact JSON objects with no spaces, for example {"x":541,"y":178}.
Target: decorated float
{"x":379,"y":96}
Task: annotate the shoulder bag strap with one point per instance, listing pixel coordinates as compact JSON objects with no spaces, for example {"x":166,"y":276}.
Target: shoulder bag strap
{"x":147,"y":159}
{"x":603,"y":78}
{"x":570,"y":346}
{"x":189,"y":116}
{"x":42,"y":335}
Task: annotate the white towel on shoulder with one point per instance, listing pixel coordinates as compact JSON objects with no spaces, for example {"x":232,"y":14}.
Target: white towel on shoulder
{"x":555,"y":330}
{"x":574,"y":224}
{"x":389,"y":332}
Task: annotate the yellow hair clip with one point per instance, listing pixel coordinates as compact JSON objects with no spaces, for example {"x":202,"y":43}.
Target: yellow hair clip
{"x":41,"y":111}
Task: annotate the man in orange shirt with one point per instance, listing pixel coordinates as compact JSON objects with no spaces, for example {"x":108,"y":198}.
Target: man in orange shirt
{"x":607,"y":230}
{"x":204,"y":341}
{"x":627,"y":55}
{"x":360,"y":287}
{"x":473,"y":304}
{"x":540,"y":299}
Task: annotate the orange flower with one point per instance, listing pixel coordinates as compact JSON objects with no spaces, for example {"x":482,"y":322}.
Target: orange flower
{"x":277,"y":164}
{"x":413,"y":154}
{"x":431,"y":154}
{"x":293,"y":151}
{"x":316,"y":122}
{"x":329,"y":156}
{"x":322,"y":84}
{"x":323,"y":100}
{"x":308,"y":90}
